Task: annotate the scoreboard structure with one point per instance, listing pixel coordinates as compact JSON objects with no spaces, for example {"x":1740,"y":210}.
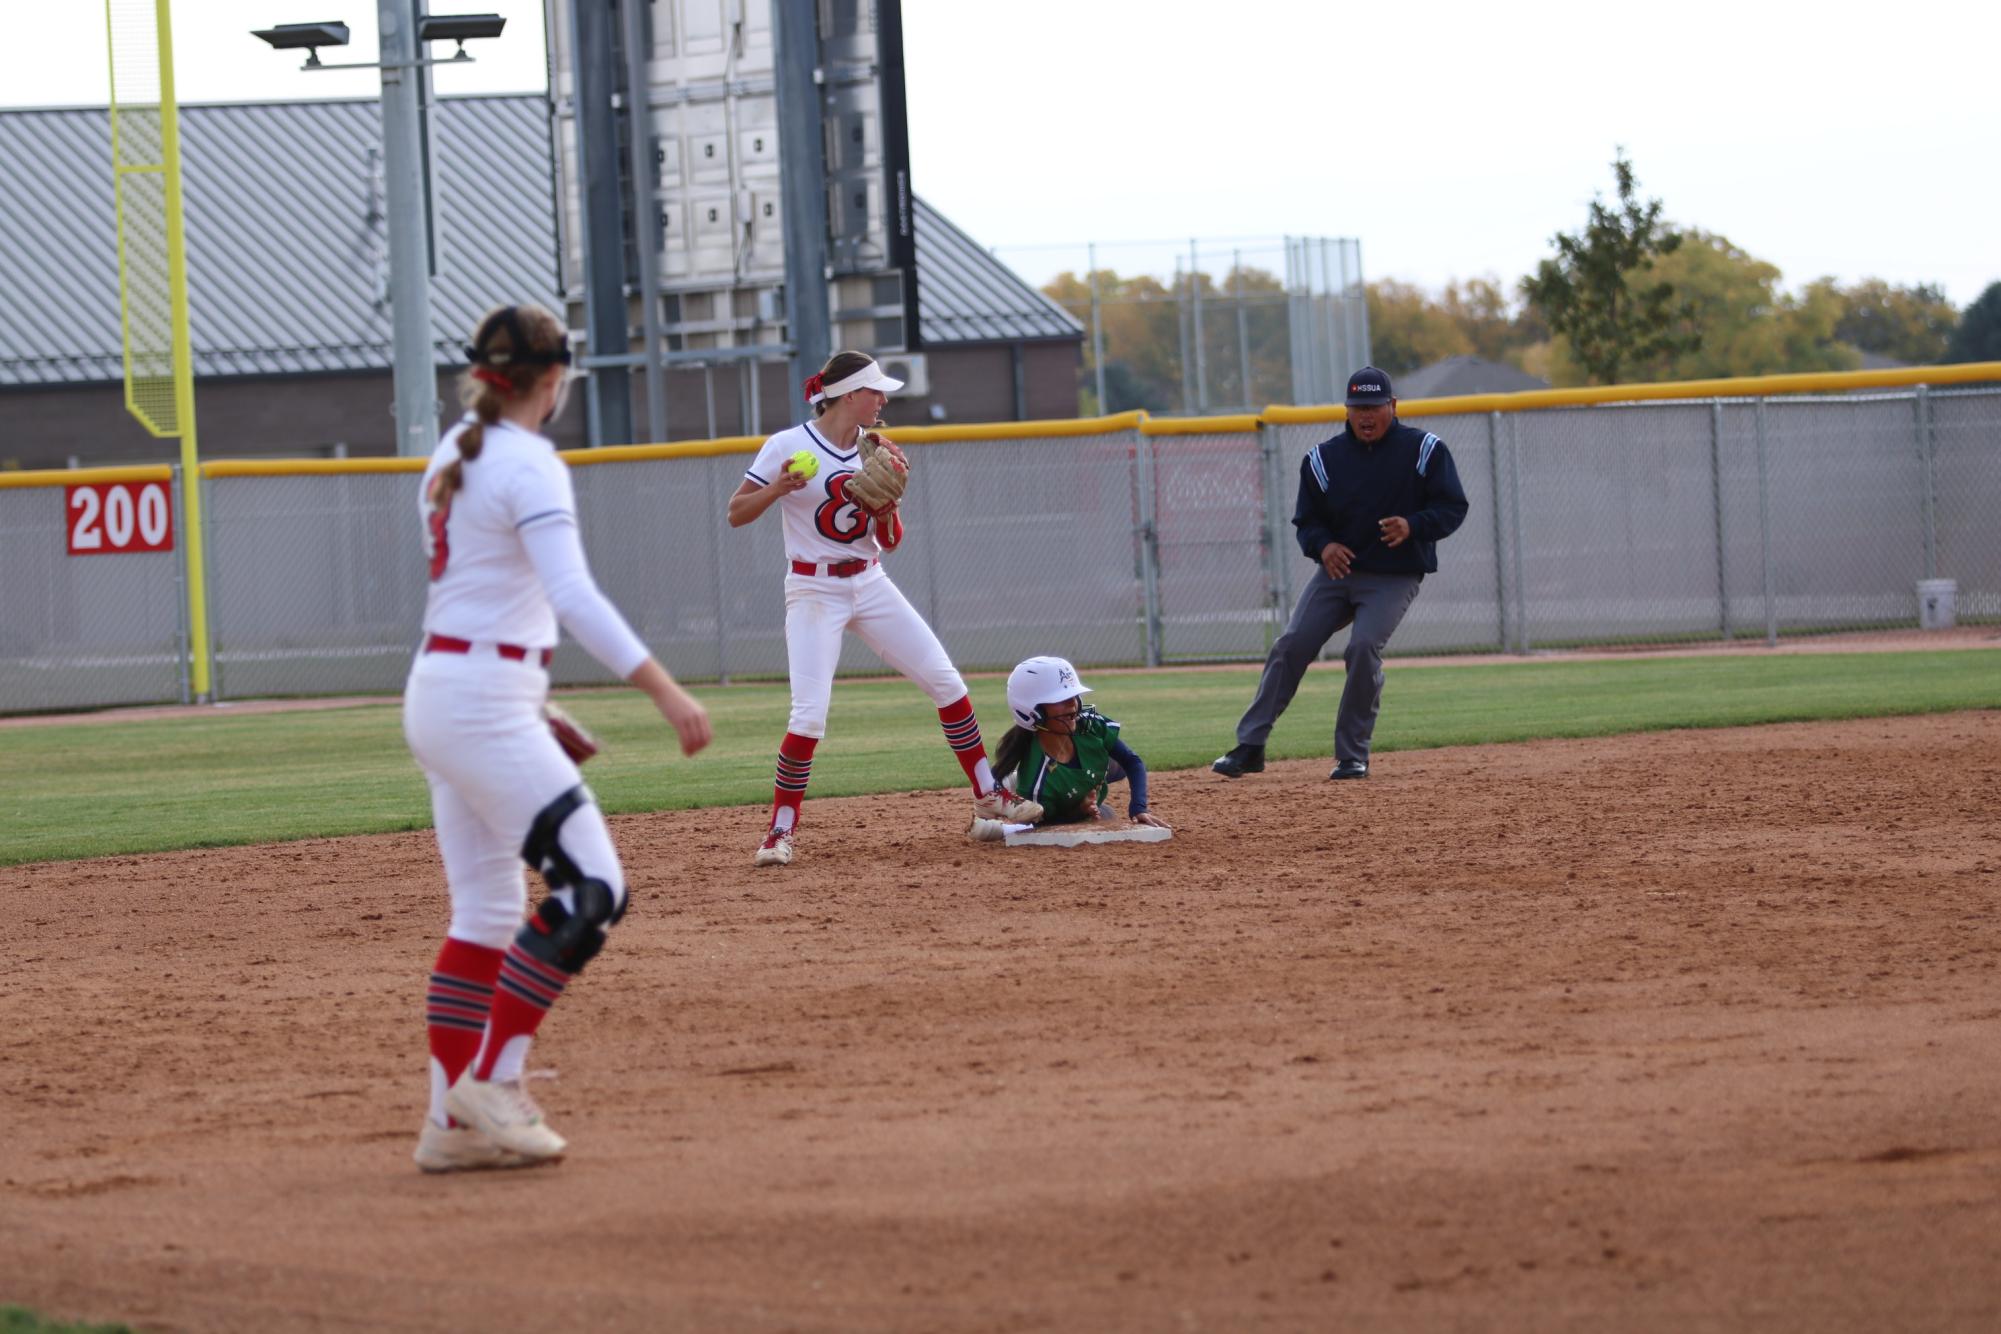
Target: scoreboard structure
{"x":672,"y":120}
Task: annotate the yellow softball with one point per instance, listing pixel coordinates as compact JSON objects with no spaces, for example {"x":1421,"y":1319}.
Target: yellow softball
{"x":806,"y":463}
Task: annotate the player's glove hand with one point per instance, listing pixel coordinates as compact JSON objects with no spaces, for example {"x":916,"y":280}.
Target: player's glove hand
{"x":884,"y":474}
{"x":577,"y":743}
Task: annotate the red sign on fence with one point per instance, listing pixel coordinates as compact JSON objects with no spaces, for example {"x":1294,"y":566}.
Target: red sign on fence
{"x":112,"y":518}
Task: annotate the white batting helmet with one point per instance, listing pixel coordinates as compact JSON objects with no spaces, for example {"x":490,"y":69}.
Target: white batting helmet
{"x":1040,"y":681}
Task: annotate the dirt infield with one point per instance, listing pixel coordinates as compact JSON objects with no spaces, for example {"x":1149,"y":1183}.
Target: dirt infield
{"x":1673,"y":1032}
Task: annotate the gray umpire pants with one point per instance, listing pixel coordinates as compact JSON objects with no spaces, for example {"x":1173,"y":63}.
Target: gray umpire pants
{"x":1376,"y":604}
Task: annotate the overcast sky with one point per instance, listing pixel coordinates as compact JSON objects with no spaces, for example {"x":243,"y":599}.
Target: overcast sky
{"x":1453,"y":139}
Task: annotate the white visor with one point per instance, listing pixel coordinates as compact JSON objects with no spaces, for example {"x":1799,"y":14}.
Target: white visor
{"x":868,"y":377}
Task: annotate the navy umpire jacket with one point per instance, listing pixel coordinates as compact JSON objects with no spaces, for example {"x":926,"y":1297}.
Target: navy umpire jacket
{"x":1345,"y":486}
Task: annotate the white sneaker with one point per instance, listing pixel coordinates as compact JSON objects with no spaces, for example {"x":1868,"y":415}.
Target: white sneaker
{"x":461,"y":1149}
{"x":1002,"y":804}
{"x":776,"y":850}
{"x":505,"y":1114}
{"x":987,"y":831}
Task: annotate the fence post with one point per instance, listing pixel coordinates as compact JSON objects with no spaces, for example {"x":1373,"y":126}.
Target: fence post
{"x":1515,"y":500}
{"x":1500,"y":545}
{"x":1765,"y":531}
{"x":1928,"y":453}
{"x":181,"y":631}
{"x":1271,"y":484}
{"x":1195,"y":330}
{"x":1716,"y":497}
{"x":1097,"y":330}
{"x":1149,"y":544}
{"x":1249,"y":399}
{"x":1181,"y":331}
{"x":722,"y":590}
{"x":211,"y":556}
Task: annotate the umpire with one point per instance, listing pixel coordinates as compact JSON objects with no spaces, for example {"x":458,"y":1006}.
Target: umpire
{"x":1373,"y":503}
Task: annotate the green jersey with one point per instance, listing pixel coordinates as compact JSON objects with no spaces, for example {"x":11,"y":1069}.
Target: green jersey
{"x":1063,"y":789}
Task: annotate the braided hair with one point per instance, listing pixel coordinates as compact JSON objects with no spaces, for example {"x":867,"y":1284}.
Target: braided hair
{"x":511,"y":349}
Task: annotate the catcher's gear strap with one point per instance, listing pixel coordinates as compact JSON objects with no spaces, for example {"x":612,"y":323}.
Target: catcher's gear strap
{"x":560,"y":935}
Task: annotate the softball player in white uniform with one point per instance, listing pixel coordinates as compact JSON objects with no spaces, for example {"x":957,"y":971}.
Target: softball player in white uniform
{"x":836,"y":583}
{"x":506,"y":565}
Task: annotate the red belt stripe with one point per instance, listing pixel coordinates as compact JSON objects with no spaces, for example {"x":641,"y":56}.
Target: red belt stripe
{"x":840,"y":569}
{"x":513,"y":652}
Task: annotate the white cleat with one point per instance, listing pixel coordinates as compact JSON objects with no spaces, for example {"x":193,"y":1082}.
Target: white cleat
{"x":987,"y":831}
{"x":1001,"y":804}
{"x":505,"y":1114}
{"x":461,"y":1149}
{"x":776,"y":850}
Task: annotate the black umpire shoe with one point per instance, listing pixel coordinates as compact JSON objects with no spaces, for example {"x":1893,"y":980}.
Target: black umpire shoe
{"x":1240,"y":761}
{"x":1350,"y":769}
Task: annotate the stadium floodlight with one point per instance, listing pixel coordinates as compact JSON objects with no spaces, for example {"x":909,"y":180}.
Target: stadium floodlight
{"x":459,"y":28}
{"x":404,"y":172}
{"x":307,"y":36}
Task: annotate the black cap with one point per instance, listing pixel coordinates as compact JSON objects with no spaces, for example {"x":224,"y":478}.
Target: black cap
{"x":1369,"y":387}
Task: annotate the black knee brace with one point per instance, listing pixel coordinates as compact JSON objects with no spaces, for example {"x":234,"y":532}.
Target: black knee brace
{"x":556,"y":935}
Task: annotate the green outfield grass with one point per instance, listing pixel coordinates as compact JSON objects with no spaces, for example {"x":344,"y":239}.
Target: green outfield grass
{"x":102,"y":787}
{"x":19,"y":1320}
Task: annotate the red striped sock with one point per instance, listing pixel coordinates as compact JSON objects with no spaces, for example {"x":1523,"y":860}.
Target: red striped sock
{"x":962,"y":732}
{"x":527,"y":988}
{"x":457,"y":1003}
{"x":795,"y":767}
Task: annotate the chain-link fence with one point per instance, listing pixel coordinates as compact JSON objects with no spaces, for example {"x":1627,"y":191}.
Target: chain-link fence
{"x":315,"y":581}
{"x":1209,"y":326}
{"x":83,"y":623}
{"x":1156,"y":542}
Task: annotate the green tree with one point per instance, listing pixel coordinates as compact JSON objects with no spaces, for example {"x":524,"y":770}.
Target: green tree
{"x":1497,"y":329}
{"x":1602,"y":293}
{"x":1407,"y":329}
{"x":1978,"y":337}
{"x":1909,"y":324}
{"x":1246,"y":351}
{"x":1141,"y":323}
{"x":1747,"y":325}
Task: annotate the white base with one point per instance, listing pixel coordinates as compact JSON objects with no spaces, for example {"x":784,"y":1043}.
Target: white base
{"x":1070,"y":838}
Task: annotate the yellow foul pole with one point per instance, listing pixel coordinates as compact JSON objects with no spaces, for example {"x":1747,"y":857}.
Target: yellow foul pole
{"x":152,"y":268}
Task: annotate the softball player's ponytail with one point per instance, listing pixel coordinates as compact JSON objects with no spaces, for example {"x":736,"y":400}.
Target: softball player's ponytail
{"x":1012,"y":749}
{"x":512,"y":348}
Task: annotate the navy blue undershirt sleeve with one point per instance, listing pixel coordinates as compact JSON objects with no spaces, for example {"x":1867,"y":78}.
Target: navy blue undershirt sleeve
{"x":1124,"y":756}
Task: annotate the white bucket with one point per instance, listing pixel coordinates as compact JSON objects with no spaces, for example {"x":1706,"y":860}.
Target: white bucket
{"x":1938,"y":603}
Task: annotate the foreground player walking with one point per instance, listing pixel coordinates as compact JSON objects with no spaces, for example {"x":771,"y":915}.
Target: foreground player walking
{"x":837,"y":583}
{"x":506,"y":564}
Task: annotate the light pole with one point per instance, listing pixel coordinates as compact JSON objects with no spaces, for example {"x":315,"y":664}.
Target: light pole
{"x":404,"y":27}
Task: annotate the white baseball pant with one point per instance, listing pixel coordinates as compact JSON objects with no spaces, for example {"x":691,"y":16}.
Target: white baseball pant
{"x":818,"y":608}
{"x":474,"y":722}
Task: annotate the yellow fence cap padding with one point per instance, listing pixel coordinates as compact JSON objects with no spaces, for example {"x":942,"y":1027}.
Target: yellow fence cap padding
{"x":682,"y":449}
{"x":308,"y":467}
{"x":138,"y":472}
{"x":1047,"y":430}
{"x":1230,"y":425}
{"x":1280,"y":414}
{"x":1746,"y":386}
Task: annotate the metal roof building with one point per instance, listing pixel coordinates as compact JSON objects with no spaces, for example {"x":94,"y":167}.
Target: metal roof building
{"x":288,"y":269}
